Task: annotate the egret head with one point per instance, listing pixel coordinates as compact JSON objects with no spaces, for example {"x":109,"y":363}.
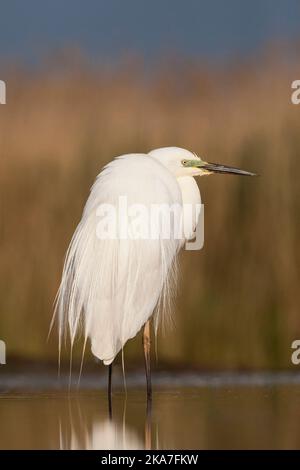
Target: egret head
{"x":182,"y":162}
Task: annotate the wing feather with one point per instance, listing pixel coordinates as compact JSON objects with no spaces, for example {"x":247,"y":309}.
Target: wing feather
{"x":110,"y":287}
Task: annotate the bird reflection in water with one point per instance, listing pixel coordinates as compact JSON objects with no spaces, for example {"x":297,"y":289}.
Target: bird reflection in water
{"x":81,"y":428}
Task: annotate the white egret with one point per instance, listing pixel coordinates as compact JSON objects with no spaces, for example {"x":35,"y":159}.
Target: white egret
{"x":111,"y":286}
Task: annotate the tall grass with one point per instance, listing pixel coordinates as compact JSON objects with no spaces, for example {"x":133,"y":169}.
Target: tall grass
{"x":238,"y":301}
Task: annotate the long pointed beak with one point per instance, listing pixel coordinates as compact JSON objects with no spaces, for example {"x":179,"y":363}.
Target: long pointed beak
{"x":218,"y":168}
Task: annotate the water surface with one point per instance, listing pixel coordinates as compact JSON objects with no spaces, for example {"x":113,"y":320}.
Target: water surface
{"x":215,"y":414}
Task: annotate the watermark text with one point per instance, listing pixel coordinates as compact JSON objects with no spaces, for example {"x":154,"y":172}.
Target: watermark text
{"x":295,"y":97}
{"x":2,"y":92}
{"x":2,"y":352}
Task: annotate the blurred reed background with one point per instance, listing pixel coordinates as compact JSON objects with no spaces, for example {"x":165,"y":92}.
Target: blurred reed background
{"x":238,"y":299}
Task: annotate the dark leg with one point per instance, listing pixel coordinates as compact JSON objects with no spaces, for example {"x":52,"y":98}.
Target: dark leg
{"x":109,"y":391}
{"x":148,"y":425}
{"x":146,"y":346}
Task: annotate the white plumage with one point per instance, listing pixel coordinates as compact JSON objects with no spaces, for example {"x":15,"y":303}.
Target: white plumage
{"x":111,"y":287}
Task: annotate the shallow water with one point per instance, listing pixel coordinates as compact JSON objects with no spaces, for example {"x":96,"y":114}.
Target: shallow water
{"x":212,"y":415}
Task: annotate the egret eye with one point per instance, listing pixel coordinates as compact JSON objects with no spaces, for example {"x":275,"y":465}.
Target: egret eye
{"x":184,"y":162}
